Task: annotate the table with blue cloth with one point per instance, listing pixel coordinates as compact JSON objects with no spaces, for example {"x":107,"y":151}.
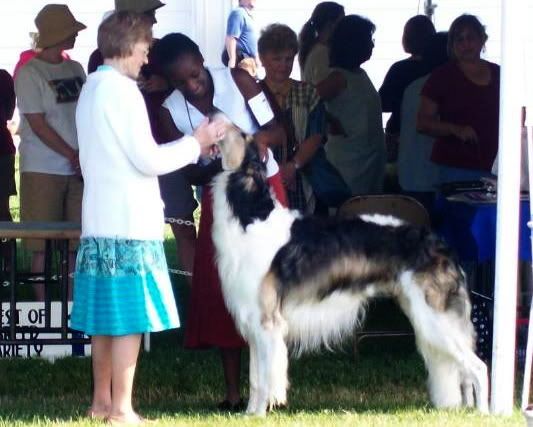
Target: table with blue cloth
{"x":470,"y":229}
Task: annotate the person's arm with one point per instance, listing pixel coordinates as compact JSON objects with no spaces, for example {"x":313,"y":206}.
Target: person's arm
{"x":429,"y":123}
{"x":131,"y":126}
{"x":332,"y":86}
{"x":329,"y":88}
{"x":233,"y":32}
{"x":155,"y":83}
{"x":52,"y":139}
{"x":270,"y":132}
{"x":316,"y":129}
{"x":7,"y":95}
{"x":167,"y":128}
{"x":306,"y":151}
{"x":231,"y":48}
{"x":388,"y":92}
{"x":196,"y":174}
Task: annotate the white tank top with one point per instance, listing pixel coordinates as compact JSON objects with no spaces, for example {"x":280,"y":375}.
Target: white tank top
{"x":227,"y":98}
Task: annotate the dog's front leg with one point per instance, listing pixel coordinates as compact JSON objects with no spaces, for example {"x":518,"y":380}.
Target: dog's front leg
{"x":253,"y":377}
{"x":477,"y":375}
{"x":264,"y":353}
{"x":279,"y":365}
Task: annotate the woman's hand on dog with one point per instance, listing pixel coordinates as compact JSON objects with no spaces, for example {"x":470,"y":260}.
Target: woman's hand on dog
{"x":208,"y":134}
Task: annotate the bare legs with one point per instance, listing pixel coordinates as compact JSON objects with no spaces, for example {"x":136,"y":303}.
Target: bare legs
{"x":114,"y":363}
{"x":186,"y":245}
{"x":37,"y":266}
{"x":231,"y":363}
{"x":101,"y":352}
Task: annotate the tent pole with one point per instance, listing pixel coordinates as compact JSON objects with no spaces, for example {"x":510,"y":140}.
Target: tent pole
{"x":507,"y":225}
{"x":429,"y":9}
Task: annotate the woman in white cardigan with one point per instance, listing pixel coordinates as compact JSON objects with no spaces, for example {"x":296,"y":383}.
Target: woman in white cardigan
{"x":122,"y":288}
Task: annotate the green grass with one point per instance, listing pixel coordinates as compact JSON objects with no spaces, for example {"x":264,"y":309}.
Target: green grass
{"x":383,"y":386}
{"x":179,"y":387}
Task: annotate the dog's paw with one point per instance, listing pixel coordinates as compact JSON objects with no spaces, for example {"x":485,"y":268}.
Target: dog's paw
{"x":277,"y":407}
{"x":483,"y":407}
{"x":256,"y":413}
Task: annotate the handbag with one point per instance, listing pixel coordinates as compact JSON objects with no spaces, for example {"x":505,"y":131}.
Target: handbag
{"x":328,"y":184}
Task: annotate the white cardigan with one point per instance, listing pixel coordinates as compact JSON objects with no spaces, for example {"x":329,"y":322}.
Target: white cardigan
{"x":120,"y":160}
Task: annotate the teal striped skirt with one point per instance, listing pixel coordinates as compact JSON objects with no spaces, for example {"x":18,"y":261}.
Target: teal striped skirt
{"x":122,"y":287}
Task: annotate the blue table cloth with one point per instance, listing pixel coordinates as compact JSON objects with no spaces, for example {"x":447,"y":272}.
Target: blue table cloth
{"x":470,"y":228}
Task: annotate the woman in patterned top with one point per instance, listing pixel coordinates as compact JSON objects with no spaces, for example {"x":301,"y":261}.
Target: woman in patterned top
{"x":297,"y":106}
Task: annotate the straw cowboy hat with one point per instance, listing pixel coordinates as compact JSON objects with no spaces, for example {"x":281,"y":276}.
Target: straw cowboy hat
{"x":56,"y":23}
{"x":139,"y":6}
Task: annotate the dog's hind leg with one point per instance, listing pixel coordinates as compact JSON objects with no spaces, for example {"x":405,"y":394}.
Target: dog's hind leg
{"x":275,"y":328}
{"x":445,"y":337}
{"x":467,"y":390}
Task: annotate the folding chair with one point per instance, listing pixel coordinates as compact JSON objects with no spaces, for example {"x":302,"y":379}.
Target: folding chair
{"x":402,"y":207}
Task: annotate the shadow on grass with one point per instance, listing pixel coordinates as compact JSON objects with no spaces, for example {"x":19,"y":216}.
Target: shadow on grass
{"x":172,"y":381}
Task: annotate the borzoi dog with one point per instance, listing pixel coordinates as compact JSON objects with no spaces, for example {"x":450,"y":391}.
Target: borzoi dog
{"x":304,"y":282}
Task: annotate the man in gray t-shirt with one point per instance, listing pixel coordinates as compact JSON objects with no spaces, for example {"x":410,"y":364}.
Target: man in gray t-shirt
{"x":241,"y":38}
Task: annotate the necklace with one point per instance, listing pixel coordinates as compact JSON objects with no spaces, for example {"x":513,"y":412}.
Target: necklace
{"x":188,"y":114}
{"x":213,"y":111}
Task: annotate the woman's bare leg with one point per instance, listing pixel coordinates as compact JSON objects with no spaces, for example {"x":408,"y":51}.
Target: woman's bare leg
{"x":186,"y":245}
{"x":124,"y":353}
{"x":101,"y":358}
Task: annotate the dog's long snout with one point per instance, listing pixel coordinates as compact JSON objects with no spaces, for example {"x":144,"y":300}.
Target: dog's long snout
{"x":232,"y":148}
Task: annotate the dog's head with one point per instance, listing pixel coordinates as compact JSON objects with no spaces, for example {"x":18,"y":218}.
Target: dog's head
{"x":247,"y":190}
{"x":233,"y":146}
{"x":237,"y":148}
